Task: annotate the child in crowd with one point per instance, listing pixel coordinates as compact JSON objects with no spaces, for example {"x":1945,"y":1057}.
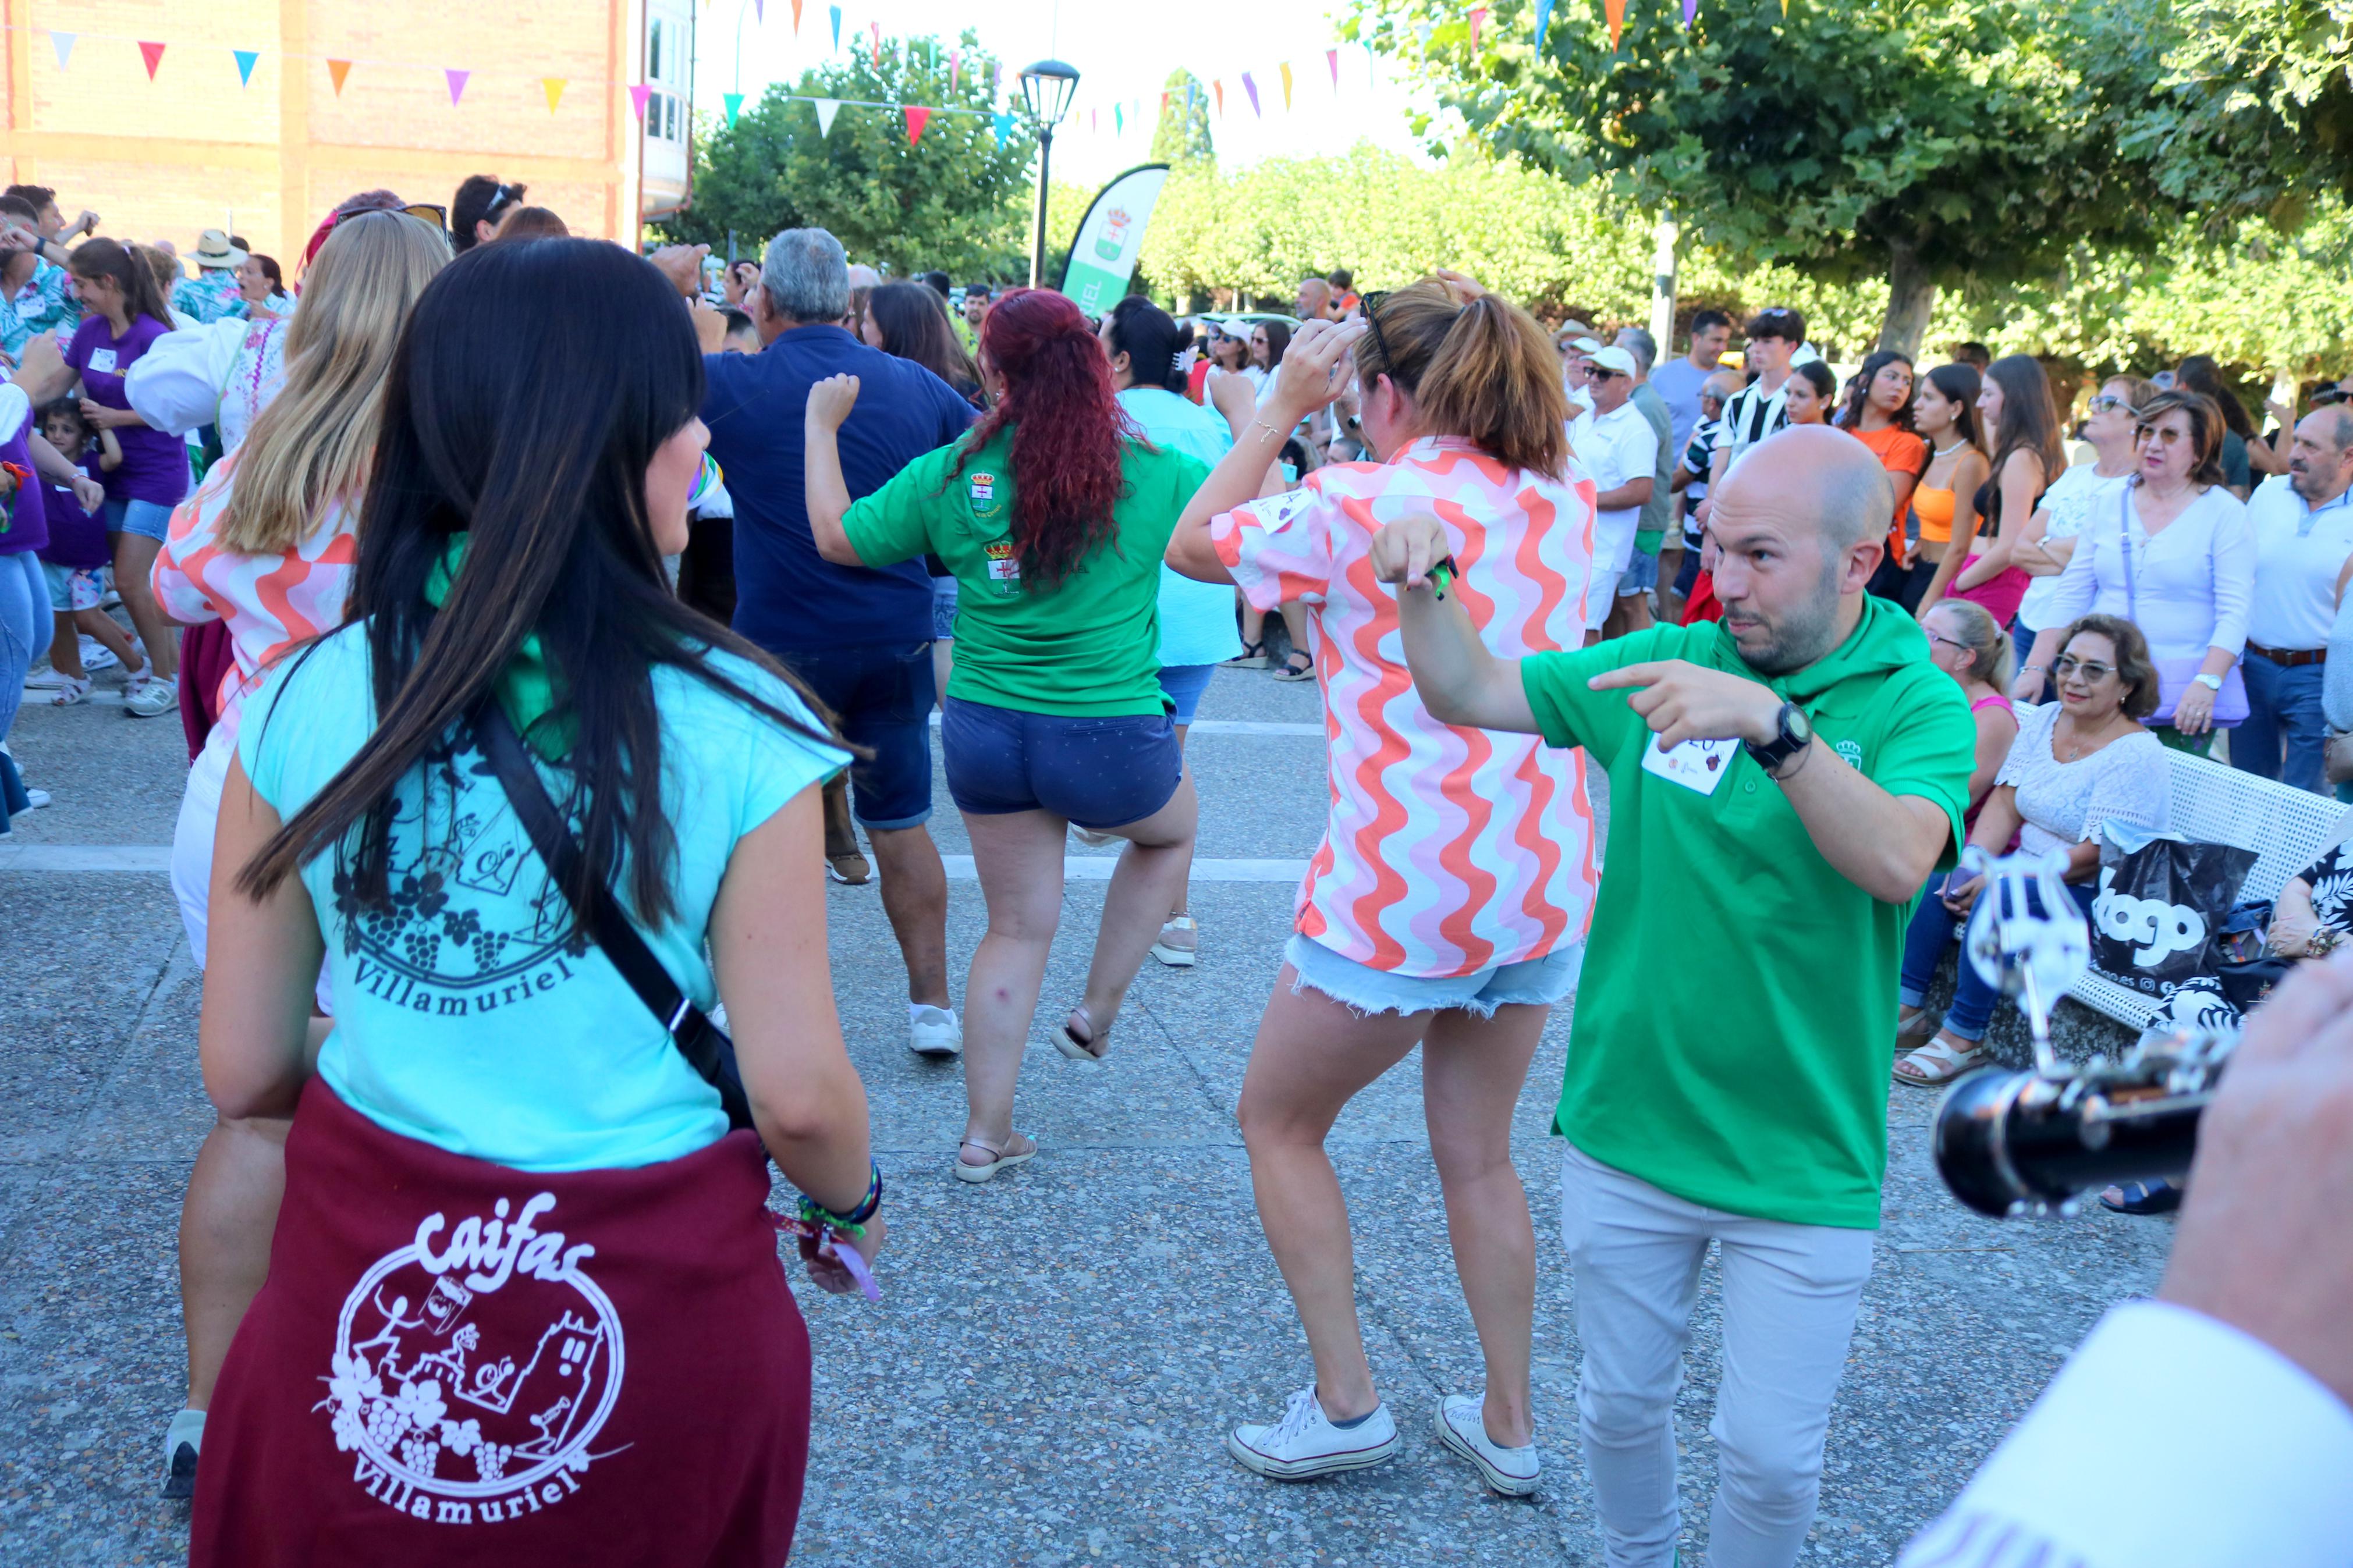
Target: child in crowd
{"x":75,"y":560}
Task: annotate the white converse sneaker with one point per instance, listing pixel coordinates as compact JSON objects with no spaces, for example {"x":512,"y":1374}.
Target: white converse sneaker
{"x":934,"y":1032}
{"x":96,"y":655}
{"x":1461,"y":1427}
{"x":182,"y":1443}
{"x":1305,"y":1444}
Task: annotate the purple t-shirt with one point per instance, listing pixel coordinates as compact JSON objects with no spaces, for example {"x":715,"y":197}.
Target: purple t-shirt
{"x":154,"y":465}
{"x":77,"y":538}
{"x":27,"y":518}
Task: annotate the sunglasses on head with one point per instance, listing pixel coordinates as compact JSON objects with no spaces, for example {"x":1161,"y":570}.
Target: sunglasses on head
{"x":422,"y":212}
{"x":502,"y":197}
{"x":2106,"y":402}
{"x":1372,"y":302}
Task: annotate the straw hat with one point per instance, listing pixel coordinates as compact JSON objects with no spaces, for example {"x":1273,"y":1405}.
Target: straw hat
{"x":212,"y":249}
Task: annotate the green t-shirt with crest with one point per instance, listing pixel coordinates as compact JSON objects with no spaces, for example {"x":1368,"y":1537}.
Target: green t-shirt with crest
{"x":1085,"y":647}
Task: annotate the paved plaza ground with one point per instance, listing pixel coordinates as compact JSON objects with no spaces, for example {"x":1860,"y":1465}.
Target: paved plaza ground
{"x":1057,"y":1354}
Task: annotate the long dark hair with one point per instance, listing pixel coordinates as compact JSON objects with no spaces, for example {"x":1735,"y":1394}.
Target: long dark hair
{"x":1960,"y":383}
{"x":510,"y":418}
{"x":2030,"y":419}
{"x":1850,"y":416}
{"x":914,"y":322}
{"x":1069,"y":431}
{"x":1151,"y":340}
{"x":1278,"y":344}
{"x":141,"y":295}
{"x":2202,"y":373}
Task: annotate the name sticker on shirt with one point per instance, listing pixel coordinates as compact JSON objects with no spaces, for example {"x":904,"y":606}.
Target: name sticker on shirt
{"x":1694,"y":764}
{"x":102,"y":361}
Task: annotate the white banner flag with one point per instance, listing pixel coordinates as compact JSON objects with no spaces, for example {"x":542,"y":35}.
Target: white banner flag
{"x":827,"y":108}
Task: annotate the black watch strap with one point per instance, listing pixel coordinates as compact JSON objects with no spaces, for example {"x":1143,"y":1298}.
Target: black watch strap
{"x":1787,"y":742}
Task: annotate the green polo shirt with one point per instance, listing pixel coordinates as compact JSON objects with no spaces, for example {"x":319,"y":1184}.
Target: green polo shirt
{"x":1737,"y":1009}
{"x":1086,"y":646}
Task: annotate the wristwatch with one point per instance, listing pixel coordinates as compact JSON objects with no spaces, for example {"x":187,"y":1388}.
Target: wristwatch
{"x":1795,"y":734}
{"x":2208,"y":680}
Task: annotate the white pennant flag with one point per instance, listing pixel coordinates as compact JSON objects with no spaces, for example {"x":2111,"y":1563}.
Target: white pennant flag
{"x":827,"y":108}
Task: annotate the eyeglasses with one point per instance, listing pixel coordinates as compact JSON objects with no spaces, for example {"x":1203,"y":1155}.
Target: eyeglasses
{"x":1600,"y":372}
{"x":2105,"y":403}
{"x":1950,"y":642}
{"x":2067,"y":664}
{"x":2164,"y":434}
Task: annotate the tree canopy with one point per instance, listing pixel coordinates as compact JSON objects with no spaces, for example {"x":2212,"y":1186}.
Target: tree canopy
{"x":1182,"y":133}
{"x":951,"y":198}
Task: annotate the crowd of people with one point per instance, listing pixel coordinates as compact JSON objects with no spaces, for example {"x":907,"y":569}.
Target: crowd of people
{"x":555,"y":616}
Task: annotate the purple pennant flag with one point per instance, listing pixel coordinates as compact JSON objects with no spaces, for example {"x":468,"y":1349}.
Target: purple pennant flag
{"x":457,"y":84}
{"x":1691,"y":12}
{"x":1252,"y":87}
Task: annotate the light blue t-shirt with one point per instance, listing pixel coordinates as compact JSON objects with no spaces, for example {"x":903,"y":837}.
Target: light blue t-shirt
{"x":463,"y":1016}
{"x":1197,"y":619}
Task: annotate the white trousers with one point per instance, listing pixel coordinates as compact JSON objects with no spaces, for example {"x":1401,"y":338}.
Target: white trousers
{"x":191,"y":849}
{"x":1790,"y":1292}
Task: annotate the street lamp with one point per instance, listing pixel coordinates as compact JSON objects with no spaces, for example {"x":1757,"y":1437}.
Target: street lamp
{"x":1047,"y":89}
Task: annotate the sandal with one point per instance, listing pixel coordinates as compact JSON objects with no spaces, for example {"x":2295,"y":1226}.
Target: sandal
{"x":1092,"y":1046}
{"x":1000,"y":1158}
{"x":69,"y":691}
{"x":1936,"y":1064}
{"x":2159,"y":1196}
{"x":1252,"y":657}
{"x":1303,"y":670}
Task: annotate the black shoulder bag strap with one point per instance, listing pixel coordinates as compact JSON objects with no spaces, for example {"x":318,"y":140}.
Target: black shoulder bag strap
{"x":704,"y":1045}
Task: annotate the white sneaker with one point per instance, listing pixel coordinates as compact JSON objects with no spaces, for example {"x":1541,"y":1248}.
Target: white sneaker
{"x":1461,"y":1427}
{"x":95,"y":654}
{"x":152,"y":696}
{"x":1095,"y":837}
{"x":183,"y":1441}
{"x":35,"y":798}
{"x":1305,"y":1444}
{"x":934,"y":1032}
{"x":47,"y":679}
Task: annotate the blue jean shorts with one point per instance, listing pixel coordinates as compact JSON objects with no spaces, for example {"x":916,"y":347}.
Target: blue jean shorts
{"x":1642,"y":574}
{"x":1100,"y":772}
{"x":1533,"y":981}
{"x":1184,"y":683}
{"x":881,"y":698}
{"x":943,"y":604}
{"x":148,"y":518}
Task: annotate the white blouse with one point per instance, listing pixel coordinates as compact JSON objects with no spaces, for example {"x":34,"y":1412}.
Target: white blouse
{"x":2189,"y":589}
{"x":2063,"y":804}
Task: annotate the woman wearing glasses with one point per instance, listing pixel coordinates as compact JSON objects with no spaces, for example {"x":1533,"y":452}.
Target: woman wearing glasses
{"x":2172,"y":554}
{"x":2048,"y":542}
{"x":1448,"y":903}
{"x":2078,"y":763}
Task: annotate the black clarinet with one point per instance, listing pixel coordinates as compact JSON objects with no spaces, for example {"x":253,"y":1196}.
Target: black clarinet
{"x":2019,"y":1142}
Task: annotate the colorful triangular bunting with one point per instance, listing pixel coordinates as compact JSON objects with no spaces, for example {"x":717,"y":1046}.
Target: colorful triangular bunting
{"x":245,"y":58}
{"x":457,"y":83}
{"x":797,"y":18}
{"x":874,"y":32}
{"x":955,"y":67}
{"x":734,"y":105}
{"x":1002,"y":123}
{"x":1478,"y":20}
{"x":1252,"y":87}
{"x":336,"y":71}
{"x":1218,"y":87}
{"x":1543,"y":23}
{"x":917,"y":118}
{"x":554,"y":87}
{"x":1285,"y":68}
{"x":836,"y":11}
{"x":63,"y":42}
{"x":1615,"y":11}
{"x":153,"y":55}
{"x":827,"y":108}
{"x":1691,"y":12}
{"x":637,"y":97}
{"x":1332,"y":58}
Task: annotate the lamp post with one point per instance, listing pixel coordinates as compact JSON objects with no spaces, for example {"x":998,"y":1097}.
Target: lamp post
{"x":1047,"y":89}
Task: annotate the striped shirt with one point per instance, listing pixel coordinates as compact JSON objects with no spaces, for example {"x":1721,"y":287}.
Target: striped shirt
{"x":1750,"y":416}
{"x":1446,"y":851}
{"x":270,"y":602}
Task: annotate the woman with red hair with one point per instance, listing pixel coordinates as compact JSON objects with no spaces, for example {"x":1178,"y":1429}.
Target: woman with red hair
{"x":1052,"y":511}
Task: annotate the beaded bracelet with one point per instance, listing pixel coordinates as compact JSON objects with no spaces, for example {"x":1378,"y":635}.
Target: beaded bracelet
{"x":854,"y":1222}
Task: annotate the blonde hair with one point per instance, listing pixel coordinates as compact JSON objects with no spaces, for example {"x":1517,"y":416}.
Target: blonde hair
{"x":312,"y":444}
{"x":1484,"y":371}
{"x":1988,"y":644}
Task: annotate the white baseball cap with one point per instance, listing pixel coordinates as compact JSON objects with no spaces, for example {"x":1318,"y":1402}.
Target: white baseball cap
{"x":1614,"y":358}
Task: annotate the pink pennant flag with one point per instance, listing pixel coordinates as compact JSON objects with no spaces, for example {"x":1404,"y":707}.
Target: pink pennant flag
{"x":1478,"y":20}
{"x":1332,"y":58}
{"x":457,"y":85}
{"x":874,"y":32}
{"x":955,"y":68}
{"x":153,"y":55}
{"x":637,"y":95}
{"x":916,"y":120}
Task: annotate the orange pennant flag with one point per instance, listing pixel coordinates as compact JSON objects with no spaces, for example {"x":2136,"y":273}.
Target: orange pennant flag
{"x":1615,"y":11}
{"x":1285,"y":69}
{"x":796,"y":17}
{"x":555,"y":86}
{"x":1220,"y":87}
{"x":336,"y":71}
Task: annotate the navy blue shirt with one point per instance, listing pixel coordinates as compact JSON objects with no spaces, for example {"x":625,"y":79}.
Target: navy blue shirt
{"x":788,"y":597}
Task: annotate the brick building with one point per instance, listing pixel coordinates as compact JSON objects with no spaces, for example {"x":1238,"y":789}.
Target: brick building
{"x":193,"y":148}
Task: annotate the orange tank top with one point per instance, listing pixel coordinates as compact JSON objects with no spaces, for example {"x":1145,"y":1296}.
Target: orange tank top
{"x":1935,"y":510}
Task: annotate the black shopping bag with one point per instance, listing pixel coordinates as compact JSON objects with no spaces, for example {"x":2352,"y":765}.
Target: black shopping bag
{"x":2162,"y":901}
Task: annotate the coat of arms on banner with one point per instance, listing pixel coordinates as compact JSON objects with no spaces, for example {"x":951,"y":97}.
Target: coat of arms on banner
{"x":474,"y":1367}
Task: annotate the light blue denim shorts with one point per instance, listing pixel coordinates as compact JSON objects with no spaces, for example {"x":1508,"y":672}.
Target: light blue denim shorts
{"x":1533,"y":982}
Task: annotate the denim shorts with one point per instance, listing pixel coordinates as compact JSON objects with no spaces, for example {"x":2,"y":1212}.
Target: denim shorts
{"x":881,"y":698}
{"x":943,"y":604}
{"x":1533,"y":982}
{"x":1100,"y":772}
{"x":148,"y":518}
{"x":1642,"y":574}
{"x":1184,"y":683}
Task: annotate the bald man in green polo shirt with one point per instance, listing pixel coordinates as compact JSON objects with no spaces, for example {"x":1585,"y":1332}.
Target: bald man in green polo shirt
{"x":1781,"y":783}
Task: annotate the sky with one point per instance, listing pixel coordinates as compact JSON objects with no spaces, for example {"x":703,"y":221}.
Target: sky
{"x":1123,"y":54}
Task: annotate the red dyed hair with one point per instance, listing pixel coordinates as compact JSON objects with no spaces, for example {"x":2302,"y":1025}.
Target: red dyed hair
{"x":1068,"y":428}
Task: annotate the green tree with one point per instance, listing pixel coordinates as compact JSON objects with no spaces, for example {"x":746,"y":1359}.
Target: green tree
{"x":953,"y":199}
{"x":1928,"y":142}
{"x":1182,"y":135}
